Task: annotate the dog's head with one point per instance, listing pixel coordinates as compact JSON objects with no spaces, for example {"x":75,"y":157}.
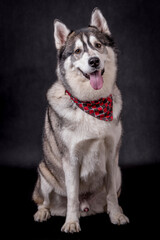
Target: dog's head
{"x":86,"y":58}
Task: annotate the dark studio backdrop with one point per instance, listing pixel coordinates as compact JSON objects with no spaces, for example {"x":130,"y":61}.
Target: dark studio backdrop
{"x":27,"y":70}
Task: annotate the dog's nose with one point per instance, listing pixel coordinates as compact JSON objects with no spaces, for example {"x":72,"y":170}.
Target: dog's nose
{"x":94,"y":62}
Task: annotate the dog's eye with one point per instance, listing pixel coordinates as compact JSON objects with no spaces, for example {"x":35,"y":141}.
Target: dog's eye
{"x":98,"y":45}
{"x":77,"y":51}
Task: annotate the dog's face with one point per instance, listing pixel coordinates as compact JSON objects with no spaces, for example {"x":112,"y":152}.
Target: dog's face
{"x":84,"y":55}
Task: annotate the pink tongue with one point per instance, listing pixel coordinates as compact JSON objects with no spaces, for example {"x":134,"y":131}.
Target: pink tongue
{"x":96,"y":80}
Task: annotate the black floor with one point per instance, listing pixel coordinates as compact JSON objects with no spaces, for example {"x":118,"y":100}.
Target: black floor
{"x":139,"y":199}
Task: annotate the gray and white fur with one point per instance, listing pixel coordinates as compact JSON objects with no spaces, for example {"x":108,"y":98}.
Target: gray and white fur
{"x":79,"y":174}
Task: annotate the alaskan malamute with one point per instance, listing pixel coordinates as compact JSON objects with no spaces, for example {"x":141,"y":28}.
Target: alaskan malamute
{"x":79,"y":174}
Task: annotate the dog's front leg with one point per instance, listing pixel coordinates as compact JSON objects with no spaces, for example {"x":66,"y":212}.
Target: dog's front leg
{"x":114,"y":210}
{"x":71,"y":169}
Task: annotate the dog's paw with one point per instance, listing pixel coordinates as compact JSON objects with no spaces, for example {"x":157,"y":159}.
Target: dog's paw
{"x":118,"y":218}
{"x":71,"y":227}
{"x":42,"y":215}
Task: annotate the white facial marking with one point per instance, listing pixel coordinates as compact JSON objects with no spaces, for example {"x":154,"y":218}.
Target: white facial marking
{"x":92,"y":40}
{"x":78,"y":44}
{"x":82,"y":63}
{"x":85,"y":40}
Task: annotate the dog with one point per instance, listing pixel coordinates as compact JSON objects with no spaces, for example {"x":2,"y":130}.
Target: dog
{"x":79,"y":174}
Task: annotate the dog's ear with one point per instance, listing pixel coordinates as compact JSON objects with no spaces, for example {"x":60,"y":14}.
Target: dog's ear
{"x":60,"y":33}
{"x":99,"y":21}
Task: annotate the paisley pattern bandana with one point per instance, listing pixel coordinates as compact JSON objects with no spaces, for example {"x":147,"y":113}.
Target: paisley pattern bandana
{"x":101,"y":109}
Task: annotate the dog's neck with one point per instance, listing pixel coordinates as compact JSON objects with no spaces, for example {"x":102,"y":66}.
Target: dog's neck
{"x":84,"y":92}
{"x":101,"y":109}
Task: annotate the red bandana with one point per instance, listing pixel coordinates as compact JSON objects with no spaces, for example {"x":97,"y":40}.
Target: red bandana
{"x":101,"y":109}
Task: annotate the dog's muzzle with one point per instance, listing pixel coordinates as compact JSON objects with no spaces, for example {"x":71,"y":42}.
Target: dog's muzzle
{"x":88,"y":75}
{"x":94,"y":62}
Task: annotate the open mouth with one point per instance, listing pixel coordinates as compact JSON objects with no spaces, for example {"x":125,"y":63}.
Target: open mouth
{"x":96,"y":79}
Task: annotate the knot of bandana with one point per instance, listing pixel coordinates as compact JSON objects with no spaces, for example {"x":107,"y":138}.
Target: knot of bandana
{"x":101,"y":109}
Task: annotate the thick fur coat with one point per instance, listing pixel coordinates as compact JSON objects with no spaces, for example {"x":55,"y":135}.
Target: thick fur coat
{"x":79,"y":174}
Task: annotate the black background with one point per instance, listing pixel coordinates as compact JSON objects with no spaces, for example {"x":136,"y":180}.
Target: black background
{"x":27,"y":70}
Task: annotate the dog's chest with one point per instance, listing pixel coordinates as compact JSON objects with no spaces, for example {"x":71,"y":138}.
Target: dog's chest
{"x":85,"y":139}
{"x":82,"y":126}
{"x":92,"y":158}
